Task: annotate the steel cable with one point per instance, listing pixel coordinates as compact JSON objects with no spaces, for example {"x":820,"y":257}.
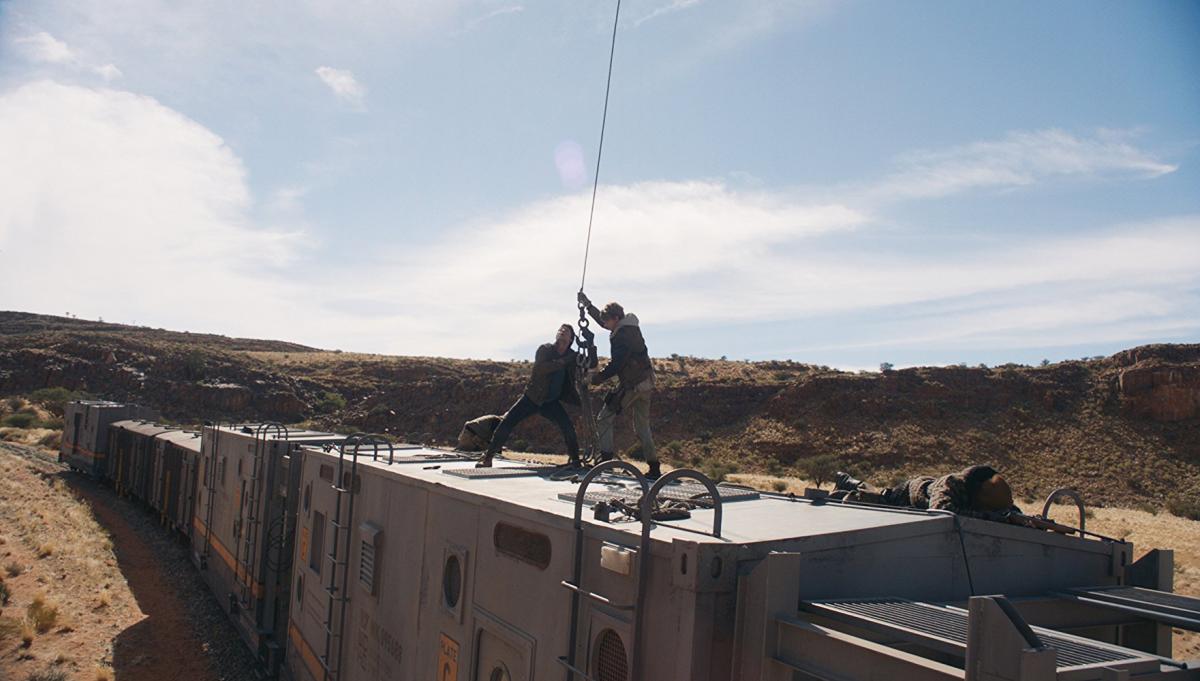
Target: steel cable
{"x":600,"y":149}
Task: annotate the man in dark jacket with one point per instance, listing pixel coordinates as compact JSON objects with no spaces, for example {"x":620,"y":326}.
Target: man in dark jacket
{"x":632,"y":367}
{"x":551,"y":382}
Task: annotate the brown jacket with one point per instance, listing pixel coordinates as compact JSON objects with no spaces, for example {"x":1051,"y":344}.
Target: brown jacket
{"x":954,"y":492}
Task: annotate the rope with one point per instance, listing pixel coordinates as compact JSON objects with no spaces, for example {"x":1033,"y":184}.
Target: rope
{"x":600,"y":150}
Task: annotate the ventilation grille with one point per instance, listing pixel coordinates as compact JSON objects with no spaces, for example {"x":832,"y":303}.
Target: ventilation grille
{"x":611,"y":663}
{"x":366,"y":566}
{"x":368,"y":551}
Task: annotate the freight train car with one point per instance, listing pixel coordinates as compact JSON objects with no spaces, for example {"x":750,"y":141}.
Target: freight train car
{"x":155,"y":464}
{"x":414,"y":566}
{"x":85,"y":432}
{"x":131,"y":452}
{"x":242,"y":527}
{"x":354,"y":559}
{"x":175,"y":476}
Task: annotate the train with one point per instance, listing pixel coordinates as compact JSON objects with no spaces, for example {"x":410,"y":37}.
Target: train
{"x":355,"y":558}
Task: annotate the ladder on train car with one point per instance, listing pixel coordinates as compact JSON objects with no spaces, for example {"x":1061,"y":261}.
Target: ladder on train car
{"x":210,"y":483}
{"x":345,"y":489}
{"x":251,"y":513}
{"x":646,"y":507}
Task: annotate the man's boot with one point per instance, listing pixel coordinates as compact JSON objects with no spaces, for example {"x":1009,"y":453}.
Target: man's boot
{"x":485,"y":462}
{"x":655,"y":472}
{"x":843,"y":481}
{"x":605,"y":456}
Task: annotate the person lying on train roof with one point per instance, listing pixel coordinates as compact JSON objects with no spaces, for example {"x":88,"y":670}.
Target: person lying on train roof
{"x":976,"y":491}
{"x":476,"y":434}
{"x":551,"y":382}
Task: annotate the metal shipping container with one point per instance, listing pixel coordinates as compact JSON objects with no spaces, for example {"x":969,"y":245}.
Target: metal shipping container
{"x":426,"y":567}
{"x":85,"y":432}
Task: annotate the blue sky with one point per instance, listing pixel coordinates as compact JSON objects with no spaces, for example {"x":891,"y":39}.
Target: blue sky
{"x":840,"y":183}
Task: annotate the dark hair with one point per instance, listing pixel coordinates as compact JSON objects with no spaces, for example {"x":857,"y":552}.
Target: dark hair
{"x":570,"y":329}
{"x":975,"y":477}
{"x":612,"y":311}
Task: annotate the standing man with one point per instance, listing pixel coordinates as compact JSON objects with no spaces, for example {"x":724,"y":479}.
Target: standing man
{"x":551,"y":382}
{"x":631,"y":365}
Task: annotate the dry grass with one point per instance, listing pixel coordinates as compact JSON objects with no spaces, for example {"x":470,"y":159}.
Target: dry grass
{"x":42,"y":613}
{"x":28,"y":633}
{"x":31,"y":436}
{"x":103,"y":673}
{"x":9,"y":628}
{"x":58,"y":563}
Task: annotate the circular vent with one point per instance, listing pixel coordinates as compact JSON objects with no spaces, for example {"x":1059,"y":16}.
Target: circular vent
{"x":452,"y":581}
{"x":611,"y":664}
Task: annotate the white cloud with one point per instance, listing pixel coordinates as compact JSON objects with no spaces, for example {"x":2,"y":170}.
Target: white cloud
{"x":114,"y":205}
{"x":1019,"y":159}
{"x":673,"y":6}
{"x":41,"y":47}
{"x":108,"y":72}
{"x":344,"y":85}
{"x":145,"y":214}
{"x":475,"y":22}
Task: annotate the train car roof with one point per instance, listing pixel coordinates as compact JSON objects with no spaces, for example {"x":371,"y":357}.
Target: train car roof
{"x":749,"y":516}
{"x":144,"y":427}
{"x":186,"y":439}
{"x":300,"y":435}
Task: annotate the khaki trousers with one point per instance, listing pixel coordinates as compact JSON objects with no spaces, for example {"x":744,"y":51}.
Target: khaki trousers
{"x":637,"y":403}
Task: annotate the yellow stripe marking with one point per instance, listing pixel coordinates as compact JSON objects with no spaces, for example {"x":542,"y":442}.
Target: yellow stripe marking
{"x":306,"y":652}
{"x":240,"y":573}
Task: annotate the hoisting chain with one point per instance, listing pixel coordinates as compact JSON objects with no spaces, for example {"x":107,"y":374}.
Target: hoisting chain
{"x":586,"y":360}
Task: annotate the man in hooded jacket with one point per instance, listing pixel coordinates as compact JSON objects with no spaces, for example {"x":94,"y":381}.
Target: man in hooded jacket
{"x":632,"y":367}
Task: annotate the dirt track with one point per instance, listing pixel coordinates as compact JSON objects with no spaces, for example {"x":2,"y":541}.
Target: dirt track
{"x":156,"y":620}
{"x":163,"y":645}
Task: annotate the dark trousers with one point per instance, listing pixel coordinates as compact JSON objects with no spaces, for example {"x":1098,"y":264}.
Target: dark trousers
{"x":523,"y":409}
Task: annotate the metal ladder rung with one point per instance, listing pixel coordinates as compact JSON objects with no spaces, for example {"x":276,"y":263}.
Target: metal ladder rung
{"x":563,"y":661}
{"x":597,"y":597}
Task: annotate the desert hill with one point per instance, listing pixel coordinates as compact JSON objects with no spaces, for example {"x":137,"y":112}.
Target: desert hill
{"x":1123,"y":429}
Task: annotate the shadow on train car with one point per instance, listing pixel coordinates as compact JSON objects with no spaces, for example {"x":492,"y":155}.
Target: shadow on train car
{"x":243,"y":525}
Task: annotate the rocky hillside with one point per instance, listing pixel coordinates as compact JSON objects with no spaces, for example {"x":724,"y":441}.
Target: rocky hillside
{"x":1123,"y":429}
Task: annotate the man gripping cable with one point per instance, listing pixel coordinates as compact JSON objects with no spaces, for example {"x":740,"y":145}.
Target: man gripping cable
{"x":634,"y":371}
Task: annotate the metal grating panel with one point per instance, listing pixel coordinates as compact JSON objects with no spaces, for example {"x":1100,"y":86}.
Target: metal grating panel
{"x":1162,"y":606}
{"x":950,"y":625}
{"x":611,"y":662}
{"x":686,"y":491}
{"x":1137,"y":595}
{"x":497,"y":472}
{"x":426,"y":458}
